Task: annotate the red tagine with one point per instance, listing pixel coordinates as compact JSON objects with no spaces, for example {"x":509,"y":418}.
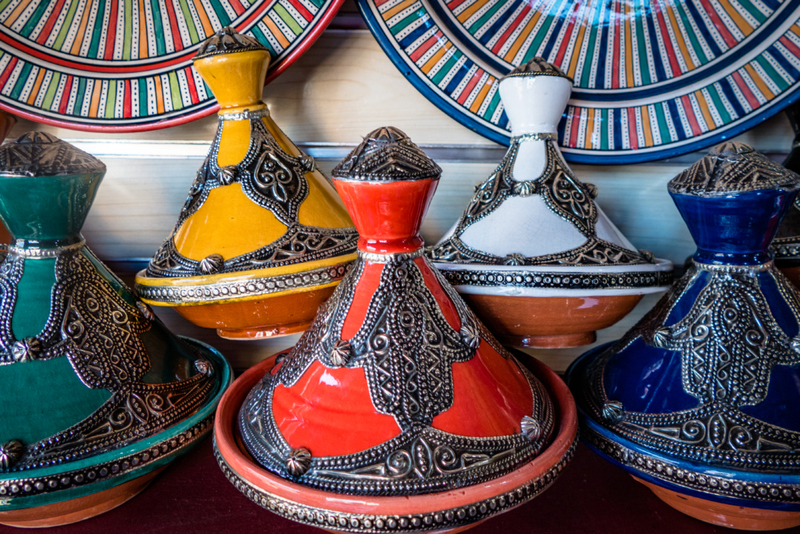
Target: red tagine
{"x":397,"y":411}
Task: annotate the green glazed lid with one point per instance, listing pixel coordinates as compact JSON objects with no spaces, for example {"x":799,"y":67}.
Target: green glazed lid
{"x":46,"y":189}
{"x":93,"y":387}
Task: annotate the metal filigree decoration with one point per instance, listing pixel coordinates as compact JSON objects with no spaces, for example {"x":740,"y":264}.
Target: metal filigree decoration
{"x":729,"y":341}
{"x":385,"y":155}
{"x":43,"y":154}
{"x":10,"y":453}
{"x":405,"y":345}
{"x":732,"y":167}
{"x":366,"y":523}
{"x":407,"y":349}
{"x":593,"y":252}
{"x":557,"y":280}
{"x":424,"y":460}
{"x":124,"y":465}
{"x":275,"y":181}
{"x":537,"y":66}
{"x":227,"y":41}
{"x":564,"y":195}
{"x":100,"y":332}
{"x":298,"y":462}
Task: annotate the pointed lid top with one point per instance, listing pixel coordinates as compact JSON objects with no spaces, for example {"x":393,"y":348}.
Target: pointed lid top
{"x":227,"y":41}
{"x":387,"y":155}
{"x":43,"y":154}
{"x":537,"y":66}
{"x":732,"y":167}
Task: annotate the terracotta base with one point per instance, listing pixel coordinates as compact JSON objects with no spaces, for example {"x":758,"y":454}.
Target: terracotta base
{"x":305,"y":504}
{"x":549,"y":342}
{"x":725,"y":515}
{"x":249,"y":334}
{"x":257,"y":319}
{"x":792,"y":273}
{"x":74,"y":510}
{"x":549,"y":322}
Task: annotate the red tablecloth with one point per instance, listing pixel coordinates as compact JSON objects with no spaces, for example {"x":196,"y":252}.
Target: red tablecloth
{"x":193,"y":496}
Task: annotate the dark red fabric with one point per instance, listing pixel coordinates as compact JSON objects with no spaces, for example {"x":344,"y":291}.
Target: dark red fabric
{"x":193,"y":496}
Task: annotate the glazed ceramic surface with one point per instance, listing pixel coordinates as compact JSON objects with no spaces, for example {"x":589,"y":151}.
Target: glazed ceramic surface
{"x":96,"y":391}
{"x":699,"y":397}
{"x":533,"y":229}
{"x":651,"y":80}
{"x":263,"y":237}
{"x":397,"y":394}
{"x":127,"y":66}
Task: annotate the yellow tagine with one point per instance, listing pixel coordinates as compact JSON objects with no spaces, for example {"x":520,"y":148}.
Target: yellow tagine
{"x":263,"y":238}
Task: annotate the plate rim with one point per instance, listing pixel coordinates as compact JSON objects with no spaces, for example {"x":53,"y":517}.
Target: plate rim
{"x":211,"y":105}
{"x":582,"y":156}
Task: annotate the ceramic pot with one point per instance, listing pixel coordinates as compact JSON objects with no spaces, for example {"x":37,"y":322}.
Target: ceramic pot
{"x":97,"y":395}
{"x":533,"y":254}
{"x":263,"y":238}
{"x":698,"y":400}
{"x":397,"y":411}
{"x":786,"y":245}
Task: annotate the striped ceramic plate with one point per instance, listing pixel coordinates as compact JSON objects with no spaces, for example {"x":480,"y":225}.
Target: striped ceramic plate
{"x":126,"y":65}
{"x":653,"y":78}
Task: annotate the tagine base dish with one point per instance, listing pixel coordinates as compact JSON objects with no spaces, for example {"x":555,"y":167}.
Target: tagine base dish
{"x":282,"y":315}
{"x":549,"y":322}
{"x":75,"y":510}
{"x":82,"y":487}
{"x":725,"y":515}
{"x":465,"y":507}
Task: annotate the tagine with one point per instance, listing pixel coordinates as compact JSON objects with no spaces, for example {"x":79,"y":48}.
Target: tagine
{"x":397,"y":411}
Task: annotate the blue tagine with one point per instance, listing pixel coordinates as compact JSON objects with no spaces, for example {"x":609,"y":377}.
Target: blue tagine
{"x":699,"y":401}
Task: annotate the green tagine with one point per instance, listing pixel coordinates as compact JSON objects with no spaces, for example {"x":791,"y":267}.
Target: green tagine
{"x":96,"y":395}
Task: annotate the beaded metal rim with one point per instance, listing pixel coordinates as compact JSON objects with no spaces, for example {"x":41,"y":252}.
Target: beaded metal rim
{"x":62,"y":479}
{"x":446,"y":518}
{"x":667,"y":474}
{"x":238,"y":290}
{"x":674,"y":474}
{"x":554,"y":279}
{"x":11,"y":489}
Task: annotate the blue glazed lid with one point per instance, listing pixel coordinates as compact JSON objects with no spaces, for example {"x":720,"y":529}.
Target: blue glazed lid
{"x":733,"y":201}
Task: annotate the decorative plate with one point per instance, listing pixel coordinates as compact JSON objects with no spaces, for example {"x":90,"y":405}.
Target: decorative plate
{"x":653,"y":79}
{"x":126,"y":65}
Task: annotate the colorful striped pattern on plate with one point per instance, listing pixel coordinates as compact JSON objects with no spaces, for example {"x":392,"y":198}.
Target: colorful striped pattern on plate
{"x":653,"y":78}
{"x":126,"y":65}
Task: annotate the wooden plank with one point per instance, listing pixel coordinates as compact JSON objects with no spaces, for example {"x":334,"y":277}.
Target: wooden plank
{"x":140,"y":199}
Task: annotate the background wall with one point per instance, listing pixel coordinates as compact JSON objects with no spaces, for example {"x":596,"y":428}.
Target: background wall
{"x":341,"y":89}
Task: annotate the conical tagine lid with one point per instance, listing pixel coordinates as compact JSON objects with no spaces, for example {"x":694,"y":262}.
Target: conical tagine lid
{"x":396,"y":388}
{"x":533,"y":210}
{"x":533,"y":243}
{"x":700,"y":396}
{"x":263,"y":237}
{"x":95,"y":391}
